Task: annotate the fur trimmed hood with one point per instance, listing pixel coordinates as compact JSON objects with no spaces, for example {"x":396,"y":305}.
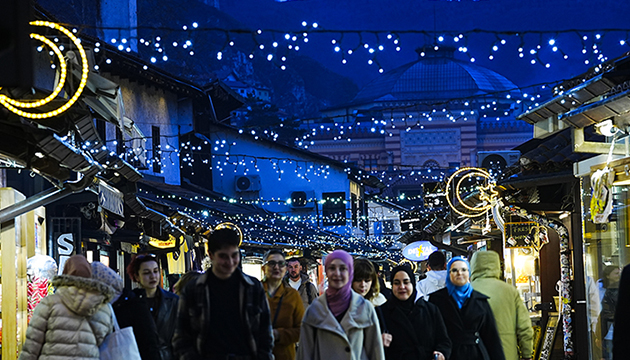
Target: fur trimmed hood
{"x":82,"y":295}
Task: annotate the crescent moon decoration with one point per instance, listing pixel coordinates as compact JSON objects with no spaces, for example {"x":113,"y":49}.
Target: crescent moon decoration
{"x":15,"y":105}
{"x":231,"y":226}
{"x":487,"y":192}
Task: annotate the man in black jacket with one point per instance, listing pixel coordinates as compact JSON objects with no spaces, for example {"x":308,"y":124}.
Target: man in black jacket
{"x":223,"y":314}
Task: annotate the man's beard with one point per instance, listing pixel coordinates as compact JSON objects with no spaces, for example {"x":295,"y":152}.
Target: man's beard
{"x":297,"y":276}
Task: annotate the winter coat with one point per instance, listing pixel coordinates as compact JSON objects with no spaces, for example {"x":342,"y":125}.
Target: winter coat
{"x":415,"y":335}
{"x":193,"y":318}
{"x":165,"y":321}
{"x":308,"y":291}
{"x":132,"y":311}
{"x":287,"y":303}
{"x":435,"y":280}
{"x":621,"y":345}
{"x":71,"y":323}
{"x":472,"y":328}
{"x":356,"y":337}
{"x":510,"y":313}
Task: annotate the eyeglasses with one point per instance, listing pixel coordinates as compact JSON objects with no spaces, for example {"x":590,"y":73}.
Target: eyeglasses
{"x":272,"y":263}
{"x":142,"y":256}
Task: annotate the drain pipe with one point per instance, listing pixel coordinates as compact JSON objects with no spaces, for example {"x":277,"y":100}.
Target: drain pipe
{"x":44,"y":198}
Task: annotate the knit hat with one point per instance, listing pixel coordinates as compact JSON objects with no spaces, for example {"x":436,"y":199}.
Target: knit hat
{"x":108,"y":276}
{"x":77,"y":265}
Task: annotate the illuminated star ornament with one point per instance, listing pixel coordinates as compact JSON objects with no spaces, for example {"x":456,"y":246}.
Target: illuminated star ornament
{"x":471,"y":191}
{"x":15,"y":106}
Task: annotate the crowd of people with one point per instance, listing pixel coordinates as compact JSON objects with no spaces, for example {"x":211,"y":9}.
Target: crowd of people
{"x":228,"y":315}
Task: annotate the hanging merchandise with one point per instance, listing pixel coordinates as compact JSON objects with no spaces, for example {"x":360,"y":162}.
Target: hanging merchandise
{"x":40,"y":269}
{"x":602,"y":197}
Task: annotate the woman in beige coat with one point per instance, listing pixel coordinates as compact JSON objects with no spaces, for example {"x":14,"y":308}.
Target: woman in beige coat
{"x":340,"y":324}
{"x":72,"y":322}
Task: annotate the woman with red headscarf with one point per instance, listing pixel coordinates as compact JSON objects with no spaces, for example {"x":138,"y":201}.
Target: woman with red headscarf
{"x":340,"y":324}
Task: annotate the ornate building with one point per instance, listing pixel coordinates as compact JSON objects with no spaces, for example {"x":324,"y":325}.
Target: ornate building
{"x":436,"y":112}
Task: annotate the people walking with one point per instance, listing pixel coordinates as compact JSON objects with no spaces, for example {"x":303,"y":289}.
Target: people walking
{"x":340,"y":324}
{"x":285,"y":306}
{"x":145,"y":270}
{"x":223,"y":314}
{"x":418,"y":331}
{"x":73,"y":322}
{"x":511,"y":315}
{"x":365,"y":283}
{"x":300,"y":282}
{"x":467,"y":316}
{"x":130,"y":311}
{"x":436,"y":276}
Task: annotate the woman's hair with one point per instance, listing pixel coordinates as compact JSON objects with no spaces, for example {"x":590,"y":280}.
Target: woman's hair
{"x":364,"y":270}
{"x":134,"y":266}
{"x":607,"y":270}
{"x":184,"y":280}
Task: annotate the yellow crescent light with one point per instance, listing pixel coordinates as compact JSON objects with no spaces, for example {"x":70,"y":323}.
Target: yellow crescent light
{"x":231,"y":226}
{"x":14,"y":105}
{"x":487,"y":192}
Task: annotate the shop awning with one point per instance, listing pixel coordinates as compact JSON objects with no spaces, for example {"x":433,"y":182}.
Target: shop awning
{"x":613,"y":106}
{"x":568,"y":100}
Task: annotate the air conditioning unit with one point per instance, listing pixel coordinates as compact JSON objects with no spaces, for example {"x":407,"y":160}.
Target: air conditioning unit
{"x":497,"y":159}
{"x":303,"y":199}
{"x":247,"y":183}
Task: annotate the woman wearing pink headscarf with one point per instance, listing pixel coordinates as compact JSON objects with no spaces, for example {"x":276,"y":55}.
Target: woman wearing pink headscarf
{"x":340,"y":324}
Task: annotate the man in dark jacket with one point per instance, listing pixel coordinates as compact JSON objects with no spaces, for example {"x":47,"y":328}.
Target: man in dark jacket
{"x":223,"y":314}
{"x":300,"y":282}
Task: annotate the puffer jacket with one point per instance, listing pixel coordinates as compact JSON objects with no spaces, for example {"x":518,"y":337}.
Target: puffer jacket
{"x":512,"y":318}
{"x":71,"y":323}
{"x":356,"y":337}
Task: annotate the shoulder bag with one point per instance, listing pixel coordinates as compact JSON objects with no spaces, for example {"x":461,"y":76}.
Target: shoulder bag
{"x":120,"y":344}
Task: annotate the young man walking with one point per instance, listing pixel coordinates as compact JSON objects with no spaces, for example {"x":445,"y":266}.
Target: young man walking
{"x":436,"y":276}
{"x":223,"y":314}
{"x":300,"y":282}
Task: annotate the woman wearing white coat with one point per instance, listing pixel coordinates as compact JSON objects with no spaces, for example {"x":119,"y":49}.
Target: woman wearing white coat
{"x":72,"y":322}
{"x":340,"y":324}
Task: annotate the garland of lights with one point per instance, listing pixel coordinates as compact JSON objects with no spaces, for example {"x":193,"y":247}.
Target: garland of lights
{"x":565,"y":270}
{"x":13,"y":105}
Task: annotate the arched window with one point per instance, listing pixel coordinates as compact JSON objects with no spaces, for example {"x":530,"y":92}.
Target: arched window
{"x":431,"y":164}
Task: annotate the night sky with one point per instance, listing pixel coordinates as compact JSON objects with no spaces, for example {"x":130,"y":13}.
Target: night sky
{"x":551,"y":17}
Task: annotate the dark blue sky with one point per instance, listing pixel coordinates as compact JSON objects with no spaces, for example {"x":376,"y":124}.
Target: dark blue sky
{"x":552,"y":17}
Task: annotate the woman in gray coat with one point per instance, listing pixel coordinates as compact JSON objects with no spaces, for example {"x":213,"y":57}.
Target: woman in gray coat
{"x":340,"y":324}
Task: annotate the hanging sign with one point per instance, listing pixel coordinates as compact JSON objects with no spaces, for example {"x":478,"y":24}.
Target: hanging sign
{"x":525,"y":235}
{"x":419,"y":250}
{"x":163,"y":244}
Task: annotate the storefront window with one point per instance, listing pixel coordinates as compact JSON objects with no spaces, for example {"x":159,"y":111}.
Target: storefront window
{"x":606,"y":252}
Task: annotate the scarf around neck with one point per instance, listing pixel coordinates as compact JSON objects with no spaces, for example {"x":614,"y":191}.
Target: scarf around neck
{"x":339,"y":299}
{"x":459,"y":293}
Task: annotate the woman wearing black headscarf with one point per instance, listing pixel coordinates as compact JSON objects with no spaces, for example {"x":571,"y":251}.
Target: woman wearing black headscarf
{"x":417,"y":329}
{"x":467,"y":315}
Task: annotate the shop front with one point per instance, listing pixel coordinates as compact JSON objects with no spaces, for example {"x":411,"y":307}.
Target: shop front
{"x":606,"y":248}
